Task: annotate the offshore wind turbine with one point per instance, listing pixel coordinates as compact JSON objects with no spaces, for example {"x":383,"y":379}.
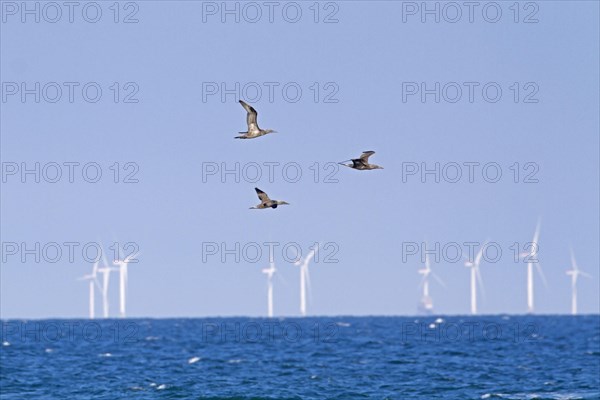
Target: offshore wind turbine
{"x":93,"y":282}
{"x":304,"y":278}
{"x":104,"y":289}
{"x":475,"y":278}
{"x":123,"y":266}
{"x":531,"y":260}
{"x":426,"y":304}
{"x":105,"y":271}
{"x":575,"y":272}
{"x":270,"y":271}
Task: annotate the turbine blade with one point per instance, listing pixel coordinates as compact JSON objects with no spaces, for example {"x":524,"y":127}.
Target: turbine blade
{"x":536,"y":235}
{"x":539,"y":270}
{"x":480,"y":254}
{"x":104,"y":260}
{"x":573,"y":261}
{"x":300,"y":260}
{"x":118,"y":247}
{"x":310,"y":255}
{"x":438,"y":279}
{"x":422,"y":281}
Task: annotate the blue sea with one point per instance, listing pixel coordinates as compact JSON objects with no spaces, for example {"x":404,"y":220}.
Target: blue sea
{"x":427,"y":357}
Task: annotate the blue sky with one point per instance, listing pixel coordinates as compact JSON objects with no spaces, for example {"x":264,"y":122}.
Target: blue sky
{"x":175,"y":130}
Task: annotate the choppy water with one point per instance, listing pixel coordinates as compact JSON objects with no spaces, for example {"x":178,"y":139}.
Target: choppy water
{"x":341,"y":358}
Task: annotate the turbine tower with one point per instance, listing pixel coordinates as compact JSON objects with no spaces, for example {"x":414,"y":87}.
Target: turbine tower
{"x":123,"y":264}
{"x":270,"y":271}
{"x":531,"y":260}
{"x":426,"y":304}
{"x":304,"y":278}
{"x":93,"y":282}
{"x":575,"y":272}
{"x":475,"y":277}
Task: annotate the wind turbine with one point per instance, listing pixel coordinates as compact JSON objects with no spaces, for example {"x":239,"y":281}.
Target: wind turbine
{"x":93,"y":282}
{"x":270,"y":271}
{"x":123,"y":264}
{"x":304,"y":278}
{"x":574,"y":272}
{"x":475,"y":277}
{"x":105,"y":271}
{"x":426,"y":301}
{"x":531,"y":260}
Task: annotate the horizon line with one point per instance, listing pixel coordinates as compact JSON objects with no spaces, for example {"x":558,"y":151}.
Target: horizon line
{"x":309,"y":316}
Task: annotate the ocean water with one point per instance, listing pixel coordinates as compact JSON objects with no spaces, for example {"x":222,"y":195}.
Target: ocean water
{"x":504,"y":357}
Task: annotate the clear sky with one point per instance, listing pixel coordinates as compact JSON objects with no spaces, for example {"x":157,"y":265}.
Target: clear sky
{"x":365,"y":65}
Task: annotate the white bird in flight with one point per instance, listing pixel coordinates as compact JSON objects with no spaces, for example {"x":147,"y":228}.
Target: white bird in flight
{"x":362,"y":163}
{"x":253,"y":129}
{"x":266,"y":202}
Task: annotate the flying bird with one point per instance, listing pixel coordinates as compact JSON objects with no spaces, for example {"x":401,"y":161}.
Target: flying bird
{"x":253,"y":130}
{"x":362,"y":162}
{"x":265,"y":201}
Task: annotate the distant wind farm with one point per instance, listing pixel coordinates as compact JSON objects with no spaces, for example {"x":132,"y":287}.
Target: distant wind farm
{"x":425,"y":302}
